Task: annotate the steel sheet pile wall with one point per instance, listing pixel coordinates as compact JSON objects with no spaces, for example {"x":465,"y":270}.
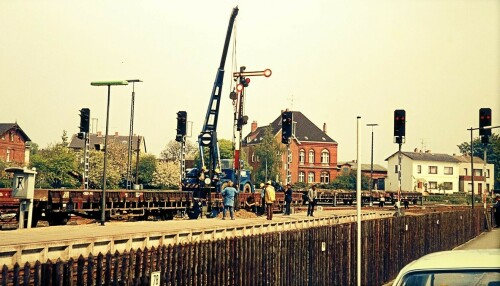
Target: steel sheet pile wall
{"x":315,"y":256}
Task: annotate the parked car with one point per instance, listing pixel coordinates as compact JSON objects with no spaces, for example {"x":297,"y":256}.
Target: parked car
{"x":455,"y":267}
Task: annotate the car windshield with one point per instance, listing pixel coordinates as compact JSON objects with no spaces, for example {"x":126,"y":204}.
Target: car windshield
{"x":453,"y":278}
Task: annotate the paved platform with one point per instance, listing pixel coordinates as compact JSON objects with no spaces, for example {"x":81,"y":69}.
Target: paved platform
{"x":64,"y":242}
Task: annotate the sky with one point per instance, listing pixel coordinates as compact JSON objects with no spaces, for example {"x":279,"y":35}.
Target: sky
{"x":331,"y":60}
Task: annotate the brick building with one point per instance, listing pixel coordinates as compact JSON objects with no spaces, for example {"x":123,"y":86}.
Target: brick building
{"x":313,"y":152}
{"x":14,"y":144}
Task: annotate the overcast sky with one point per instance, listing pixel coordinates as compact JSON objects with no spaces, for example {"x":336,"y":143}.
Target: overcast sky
{"x":332,"y":60}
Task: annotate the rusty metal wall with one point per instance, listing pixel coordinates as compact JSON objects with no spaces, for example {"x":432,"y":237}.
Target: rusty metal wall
{"x":316,"y":256}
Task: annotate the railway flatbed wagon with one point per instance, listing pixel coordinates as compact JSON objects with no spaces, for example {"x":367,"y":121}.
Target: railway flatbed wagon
{"x":57,"y":206}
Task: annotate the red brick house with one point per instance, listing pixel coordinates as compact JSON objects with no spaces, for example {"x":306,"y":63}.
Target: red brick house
{"x":14,"y":144}
{"x":313,"y":152}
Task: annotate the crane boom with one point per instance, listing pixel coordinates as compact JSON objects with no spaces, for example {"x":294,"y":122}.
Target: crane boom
{"x":208,"y":135}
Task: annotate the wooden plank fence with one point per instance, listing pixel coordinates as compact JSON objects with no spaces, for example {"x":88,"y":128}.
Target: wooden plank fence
{"x":317,"y":256}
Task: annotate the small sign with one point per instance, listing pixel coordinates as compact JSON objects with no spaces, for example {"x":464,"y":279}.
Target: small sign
{"x":155,"y":279}
{"x":323,"y":246}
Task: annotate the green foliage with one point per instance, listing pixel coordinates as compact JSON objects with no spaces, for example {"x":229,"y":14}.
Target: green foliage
{"x":5,"y":178}
{"x":173,"y":148}
{"x":166,"y":175}
{"x":53,"y":165}
{"x":116,"y":169}
{"x":147,"y":167}
{"x":492,"y":153}
{"x":347,"y":181}
{"x":268,"y":153}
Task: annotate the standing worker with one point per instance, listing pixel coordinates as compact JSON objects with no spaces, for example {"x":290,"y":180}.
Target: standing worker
{"x":381,"y":201}
{"x":288,"y":198}
{"x":269,"y":196}
{"x":262,"y":199}
{"x":312,"y":196}
{"x":496,"y":210}
{"x":228,"y":194}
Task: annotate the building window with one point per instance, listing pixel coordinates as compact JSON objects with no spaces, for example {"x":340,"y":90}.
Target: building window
{"x":396,"y":168}
{"x":7,"y":156}
{"x":302,"y":176}
{"x":448,"y":185}
{"x":310,"y":177}
{"x":325,"y":157}
{"x":419,"y":169}
{"x":433,"y":169}
{"x":302,"y":156}
{"x":478,"y":172}
{"x":3,"y":137}
{"x":253,"y":157}
{"x":325,"y":178}
{"x":487,"y":173}
{"x":433,"y":185}
{"x":448,"y":170}
{"x":311,"y":156}
{"x":12,"y":137}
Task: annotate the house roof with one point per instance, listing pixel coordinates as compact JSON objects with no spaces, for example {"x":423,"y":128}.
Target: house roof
{"x":5,"y":127}
{"x":427,"y":156}
{"x":466,"y":159}
{"x":364,"y":167}
{"x":305,"y":131}
{"x":77,"y":143}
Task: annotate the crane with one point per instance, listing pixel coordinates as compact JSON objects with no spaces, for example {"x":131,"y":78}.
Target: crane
{"x":208,"y":135}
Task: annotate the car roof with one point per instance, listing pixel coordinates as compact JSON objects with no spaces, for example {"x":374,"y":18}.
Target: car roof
{"x":458,"y":258}
{"x":454,"y":259}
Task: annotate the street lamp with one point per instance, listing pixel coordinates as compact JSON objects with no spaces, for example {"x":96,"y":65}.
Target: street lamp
{"x":131,"y":133}
{"x":103,"y":198}
{"x":371,"y":163}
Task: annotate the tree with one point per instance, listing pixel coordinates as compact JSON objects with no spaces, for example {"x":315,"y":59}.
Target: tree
{"x":268,"y":153}
{"x":348,"y":181}
{"x":116,"y":168}
{"x":166,"y":175}
{"x":147,"y":167}
{"x":492,"y":153}
{"x":53,"y":165}
{"x":173,"y":148}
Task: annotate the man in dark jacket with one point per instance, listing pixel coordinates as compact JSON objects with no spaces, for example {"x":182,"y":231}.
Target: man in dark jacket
{"x":288,"y":198}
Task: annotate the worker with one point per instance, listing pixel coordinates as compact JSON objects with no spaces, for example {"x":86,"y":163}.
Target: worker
{"x":269,"y":197}
{"x":229,"y":194}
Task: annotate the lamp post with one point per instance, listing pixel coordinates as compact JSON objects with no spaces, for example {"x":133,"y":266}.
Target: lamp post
{"x":131,"y":133}
{"x":103,"y":197}
{"x":371,"y":164}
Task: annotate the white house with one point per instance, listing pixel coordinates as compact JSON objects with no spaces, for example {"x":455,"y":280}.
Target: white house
{"x":484,"y":175}
{"x":423,"y":172}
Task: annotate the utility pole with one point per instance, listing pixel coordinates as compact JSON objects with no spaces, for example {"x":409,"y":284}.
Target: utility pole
{"x":371,"y":164}
{"x":130,"y":135}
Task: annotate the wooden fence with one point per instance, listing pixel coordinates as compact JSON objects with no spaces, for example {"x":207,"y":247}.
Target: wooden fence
{"x":316,"y":256}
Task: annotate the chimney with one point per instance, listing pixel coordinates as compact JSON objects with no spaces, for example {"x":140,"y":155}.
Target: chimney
{"x":99,"y":133}
{"x":324,"y":127}
{"x":254,"y":126}
{"x":116,"y":134}
{"x":415,"y":150}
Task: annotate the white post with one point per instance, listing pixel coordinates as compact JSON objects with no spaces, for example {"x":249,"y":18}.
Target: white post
{"x":358,"y":200}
